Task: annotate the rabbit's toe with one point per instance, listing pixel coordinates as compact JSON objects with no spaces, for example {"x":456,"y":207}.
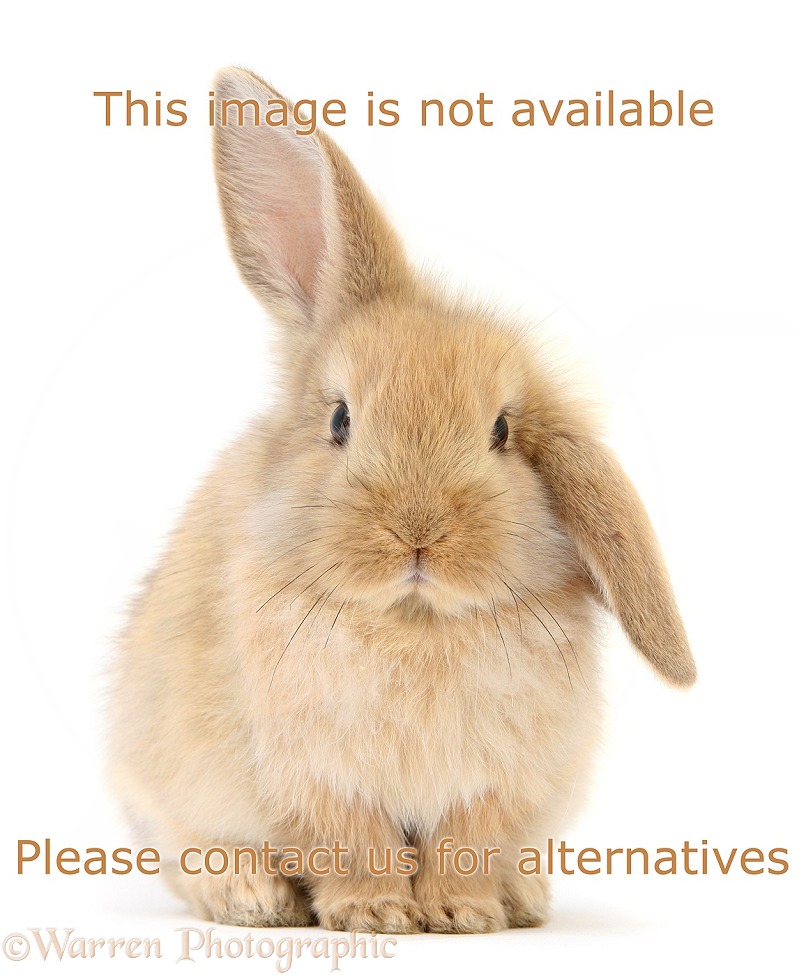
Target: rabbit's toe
{"x":453,"y":914}
{"x":392,"y":914}
{"x":259,"y":901}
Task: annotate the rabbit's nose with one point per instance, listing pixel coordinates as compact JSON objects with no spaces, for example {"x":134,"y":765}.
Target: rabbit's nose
{"x":419,"y":539}
{"x":419,"y":520}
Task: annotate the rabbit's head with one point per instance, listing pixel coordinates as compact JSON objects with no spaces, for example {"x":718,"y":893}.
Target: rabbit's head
{"x":440,"y":465}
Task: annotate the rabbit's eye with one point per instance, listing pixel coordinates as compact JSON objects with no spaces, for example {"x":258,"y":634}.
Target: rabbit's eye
{"x":500,"y":433}
{"x":340,"y":423}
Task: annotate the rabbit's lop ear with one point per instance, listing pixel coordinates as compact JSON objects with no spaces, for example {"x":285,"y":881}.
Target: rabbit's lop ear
{"x":305,"y":233}
{"x":610,"y":527}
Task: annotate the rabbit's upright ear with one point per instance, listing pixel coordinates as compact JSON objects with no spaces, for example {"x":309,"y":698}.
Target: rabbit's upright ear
{"x":305,"y":233}
{"x":610,"y":527}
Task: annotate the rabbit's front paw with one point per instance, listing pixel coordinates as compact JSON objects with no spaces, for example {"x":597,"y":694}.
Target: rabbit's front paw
{"x":260,"y":900}
{"x":451,"y":913}
{"x":388,"y":913}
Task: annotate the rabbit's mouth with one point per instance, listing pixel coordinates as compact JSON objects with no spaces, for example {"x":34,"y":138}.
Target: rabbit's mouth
{"x":419,"y":584}
{"x":418,"y":577}
{"x":417,"y":573}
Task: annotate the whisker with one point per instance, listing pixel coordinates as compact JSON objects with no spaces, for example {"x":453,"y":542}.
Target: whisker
{"x":313,"y":624}
{"x":543,"y":623}
{"x":330,"y":594}
{"x":525,"y":525}
{"x":299,"y":546}
{"x":334,"y":566}
{"x":489,"y":498}
{"x":341,"y":506}
{"x":262,"y":605}
{"x":282,"y":655}
{"x":361,"y":482}
{"x":338,"y":614}
{"x":318,"y":491}
{"x":554,"y":639}
{"x":559,"y":625}
{"x":517,"y":608}
{"x":500,"y":634}
{"x":517,"y":535}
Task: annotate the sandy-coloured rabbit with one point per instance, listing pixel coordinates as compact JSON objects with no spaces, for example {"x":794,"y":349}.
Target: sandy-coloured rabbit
{"x":377,"y":621}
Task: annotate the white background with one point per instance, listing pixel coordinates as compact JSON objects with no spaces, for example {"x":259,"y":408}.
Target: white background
{"x":672,"y":261}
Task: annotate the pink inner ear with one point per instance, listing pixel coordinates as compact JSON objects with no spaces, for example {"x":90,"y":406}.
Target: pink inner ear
{"x":298,"y":237}
{"x":305,"y":233}
{"x":276,"y":180}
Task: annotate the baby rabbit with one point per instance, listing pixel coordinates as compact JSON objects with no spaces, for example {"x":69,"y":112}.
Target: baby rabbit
{"x":377,"y":623}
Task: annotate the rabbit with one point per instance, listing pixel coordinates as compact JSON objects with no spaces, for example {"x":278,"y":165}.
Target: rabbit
{"x":377,"y":624}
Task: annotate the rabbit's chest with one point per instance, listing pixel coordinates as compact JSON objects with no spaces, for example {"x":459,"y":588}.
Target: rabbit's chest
{"x":418,"y":728}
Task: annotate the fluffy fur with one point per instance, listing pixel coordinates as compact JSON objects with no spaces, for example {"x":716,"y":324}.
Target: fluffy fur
{"x":392,"y":640}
